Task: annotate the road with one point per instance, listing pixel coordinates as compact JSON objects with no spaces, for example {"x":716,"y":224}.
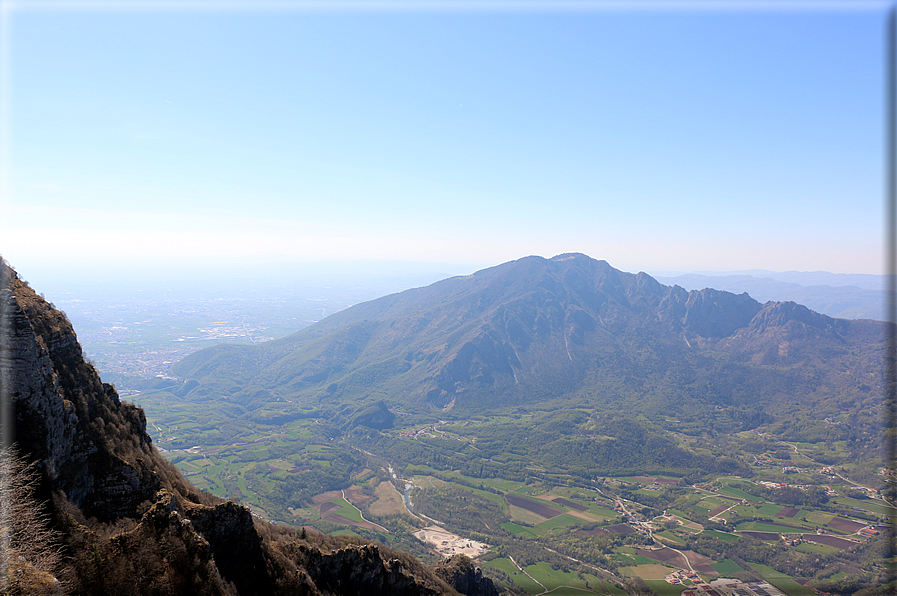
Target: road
{"x":523,"y":571}
{"x":360,"y":514}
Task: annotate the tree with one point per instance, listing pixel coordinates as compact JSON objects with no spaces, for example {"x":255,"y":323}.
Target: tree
{"x":30,"y":562}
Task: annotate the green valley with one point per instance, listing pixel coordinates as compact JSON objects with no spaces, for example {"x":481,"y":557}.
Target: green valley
{"x":653,"y":506}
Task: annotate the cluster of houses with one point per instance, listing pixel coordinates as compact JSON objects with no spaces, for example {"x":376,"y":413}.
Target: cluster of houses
{"x":867,"y":532}
{"x":871,"y":492}
{"x":677,"y":578}
{"x":828,"y":489}
{"x":733,"y":587}
{"x":767,"y":461}
{"x":413,"y":434}
{"x":764,"y":461}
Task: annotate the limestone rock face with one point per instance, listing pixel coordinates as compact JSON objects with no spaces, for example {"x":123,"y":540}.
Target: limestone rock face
{"x":30,"y":380}
{"x":235,"y":544}
{"x":460,"y":573}
{"x":87,"y":443}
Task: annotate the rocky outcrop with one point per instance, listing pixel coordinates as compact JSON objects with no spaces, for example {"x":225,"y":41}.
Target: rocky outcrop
{"x":235,"y":544}
{"x":460,"y":573}
{"x":361,"y":570}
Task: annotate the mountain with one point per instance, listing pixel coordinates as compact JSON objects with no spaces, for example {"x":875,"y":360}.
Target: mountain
{"x":567,"y":330}
{"x":866,"y":281}
{"x":93,"y":508}
{"x":837,"y":295}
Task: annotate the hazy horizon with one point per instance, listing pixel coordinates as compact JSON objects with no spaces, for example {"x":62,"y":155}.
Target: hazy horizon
{"x":389,"y":275}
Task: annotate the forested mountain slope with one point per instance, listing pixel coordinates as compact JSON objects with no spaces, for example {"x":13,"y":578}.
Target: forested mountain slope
{"x":569,"y":329}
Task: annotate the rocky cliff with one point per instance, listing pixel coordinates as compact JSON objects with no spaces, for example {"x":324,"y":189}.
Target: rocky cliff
{"x":123,"y":519}
{"x":87,"y":444}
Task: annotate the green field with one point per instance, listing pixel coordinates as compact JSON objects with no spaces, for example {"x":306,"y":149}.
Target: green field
{"x":769,"y":527}
{"x":818,"y":517}
{"x":678,"y":513}
{"x":768,"y":509}
{"x":812,"y":547}
{"x":505,"y":486}
{"x":601,"y":511}
{"x":662,"y":588}
{"x":670,"y":536}
{"x":517,"y":576}
{"x":727,"y":567}
{"x":634,"y":559}
{"x":561,"y":521}
{"x":737,"y":492}
{"x":521,"y":531}
{"x":347,"y":510}
{"x":872,"y":506}
{"x":562,"y":582}
{"x":783,"y":582}
{"x":721,"y":535}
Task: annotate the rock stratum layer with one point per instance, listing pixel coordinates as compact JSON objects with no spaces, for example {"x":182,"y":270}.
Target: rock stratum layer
{"x":123,"y":520}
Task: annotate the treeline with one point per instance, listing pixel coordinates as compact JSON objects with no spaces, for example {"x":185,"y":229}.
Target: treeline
{"x":434,"y":454}
{"x":814,"y":496}
{"x":568,"y":442}
{"x":463,"y":508}
{"x":297,"y":489}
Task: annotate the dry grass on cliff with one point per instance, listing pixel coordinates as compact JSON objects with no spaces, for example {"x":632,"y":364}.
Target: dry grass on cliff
{"x":30,"y":562}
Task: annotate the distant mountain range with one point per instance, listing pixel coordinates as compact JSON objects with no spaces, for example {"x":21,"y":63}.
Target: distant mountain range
{"x":567,"y":330}
{"x":845,"y":296}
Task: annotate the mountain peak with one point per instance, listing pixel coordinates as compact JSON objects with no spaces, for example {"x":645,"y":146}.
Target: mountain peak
{"x":574,"y":256}
{"x":518,"y":333}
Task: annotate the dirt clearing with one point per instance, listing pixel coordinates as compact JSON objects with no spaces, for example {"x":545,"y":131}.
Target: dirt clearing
{"x":355,"y":496}
{"x":389,"y":501}
{"x":447,"y":544}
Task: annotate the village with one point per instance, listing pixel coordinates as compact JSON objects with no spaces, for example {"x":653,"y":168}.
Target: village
{"x":732,"y":587}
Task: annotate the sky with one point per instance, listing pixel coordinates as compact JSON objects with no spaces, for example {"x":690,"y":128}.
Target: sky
{"x":703,"y":136}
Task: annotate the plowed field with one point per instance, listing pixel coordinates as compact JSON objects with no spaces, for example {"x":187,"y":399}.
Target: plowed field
{"x":537,"y":507}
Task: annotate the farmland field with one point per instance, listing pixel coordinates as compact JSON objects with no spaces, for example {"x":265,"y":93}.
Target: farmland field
{"x":782,"y":581}
{"x":727,"y":567}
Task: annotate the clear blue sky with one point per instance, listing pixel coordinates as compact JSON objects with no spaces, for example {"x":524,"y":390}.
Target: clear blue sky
{"x":657,"y":139}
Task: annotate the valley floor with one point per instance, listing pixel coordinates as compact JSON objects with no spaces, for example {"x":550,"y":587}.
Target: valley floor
{"x":792,"y":522}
